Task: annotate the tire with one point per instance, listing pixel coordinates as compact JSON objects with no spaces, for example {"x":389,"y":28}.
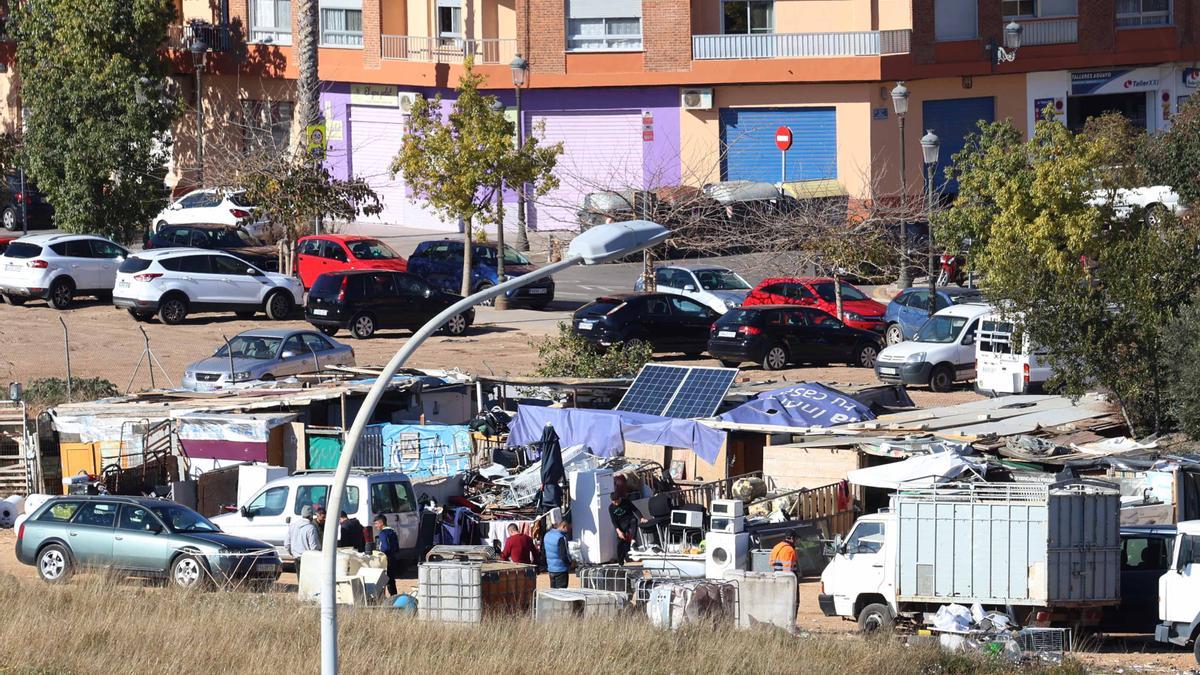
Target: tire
{"x":188,"y":573}
{"x":362,"y":326}
{"x":139,"y":316}
{"x":14,"y":300}
{"x":9,"y":219}
{"x":158,"y":226}
{"x":876,"y":618}
{"x":941,"y":379}
{"x":894,"y":334}
{"x":245,"y":315}
{"x":865,"y":355}
{"x":62,"y":292}
{"x":775,"y":358}
{"x":104,"y":296}
{"x":1154,"y":215}
{"x":1196,"y":651}
{"x":457,"y":325}
{"x":329,"y":330}
{"x":636,"y":343}
{"x":483,"y":287}
{"x":278,"y":305}
{"x":729,"y":364}
{"x":172,"y":310}
{"x":54,"y":564}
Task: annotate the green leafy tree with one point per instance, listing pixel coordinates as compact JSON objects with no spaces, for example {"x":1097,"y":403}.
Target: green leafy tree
{"x":1174,"y":157}
{"x":95,"y":147}
{"x":565,"y":354}
{"x":1183,"y":355}
{"x":460,"y":162}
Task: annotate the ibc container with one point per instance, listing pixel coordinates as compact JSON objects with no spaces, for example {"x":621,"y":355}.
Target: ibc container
{"x":565,"y":603}
{"x":465,"y":592}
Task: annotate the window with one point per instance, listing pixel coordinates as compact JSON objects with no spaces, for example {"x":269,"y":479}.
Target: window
{"x":59,"y":513}
{"x":1146,"y":553}
{"x":76,"y":248}
{"x":333,"y":251}
{"x":955,"y":20}
{"x":193,"y":200}
{"x":1018,"y":8}
{"x":97,"y":514}
{"x":380,"y":285}
{"x":604,"y":25}
{"x":866,"y":538}
{"x":794,"y":318}
{"x":104,"y":249}
{"x":391,"y":498}
{"x":341,"y":23}
{"x":225,"y":264}
{"x":410,"y":285}
{"x":266,"y":125}
{"x":316,"y":343}
{"x":656,"y":307}
{"x":746,"y":17}
{"x":372,"y":249}
{"x":191,"y":264}
{"x":136,"y":518}
{"x":1135,"y":13}
{"x":940,"y":329}
{"x":827,"y":292}
{"x":310,"y":247}
{"x":269,"y":503}
{"x":685,"y":307}
{"x":449,"y":20}
{"x":918,"y":300}
{"x":271,"y":21}
{"x":314,"y":496}
{"x":251,"y":347}
{"x":295,"y":345}
{"x":818,"y":318}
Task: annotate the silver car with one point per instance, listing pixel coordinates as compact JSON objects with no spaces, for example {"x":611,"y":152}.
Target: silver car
{"x":267,"y":354}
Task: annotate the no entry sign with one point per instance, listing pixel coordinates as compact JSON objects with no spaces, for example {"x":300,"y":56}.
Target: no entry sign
{"x":783,"y":138}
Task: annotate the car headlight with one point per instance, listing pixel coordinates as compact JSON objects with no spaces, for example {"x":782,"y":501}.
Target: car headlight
{"x":242,"y":377}
{"x":851,"y":316}
{"x":730,"y":302}
{"x":916,"y":358}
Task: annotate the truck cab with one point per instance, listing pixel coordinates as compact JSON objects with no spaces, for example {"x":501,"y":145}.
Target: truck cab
{"x":1179,"y":591}
{"x":860,"y":582}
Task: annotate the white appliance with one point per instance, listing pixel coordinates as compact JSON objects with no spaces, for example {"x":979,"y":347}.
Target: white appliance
{"x":727,"y":516}
{"x":688,"y":519}
{"x":696,"y":98}
{"x":723,"y":552}
{"x":590,"y":522}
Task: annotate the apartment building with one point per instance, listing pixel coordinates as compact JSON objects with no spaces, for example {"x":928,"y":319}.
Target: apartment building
{"x":653,"y":93}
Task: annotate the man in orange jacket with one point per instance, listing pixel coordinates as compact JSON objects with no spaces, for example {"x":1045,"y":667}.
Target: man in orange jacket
{"x":783,"y":556}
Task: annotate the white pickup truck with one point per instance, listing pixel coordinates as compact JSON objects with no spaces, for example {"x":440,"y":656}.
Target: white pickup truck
{"x":1179,"y":591}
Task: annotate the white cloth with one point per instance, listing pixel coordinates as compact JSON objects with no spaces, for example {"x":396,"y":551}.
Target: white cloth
{"x":918,"y":470}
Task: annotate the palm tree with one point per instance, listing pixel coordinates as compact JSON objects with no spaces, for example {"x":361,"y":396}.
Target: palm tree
{"x":308,"y":89}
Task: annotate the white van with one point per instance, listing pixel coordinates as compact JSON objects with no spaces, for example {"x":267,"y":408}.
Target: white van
{"x":1004,"y":368}
{"x":267,"y":515}
{"x":942,"y":353}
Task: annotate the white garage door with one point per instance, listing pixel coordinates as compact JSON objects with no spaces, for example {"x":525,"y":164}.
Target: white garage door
{"x":375,"y":138}
{"x":601,"y":151}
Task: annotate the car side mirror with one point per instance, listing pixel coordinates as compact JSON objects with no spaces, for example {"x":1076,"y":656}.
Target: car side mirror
{"x":246,"y":513}
{"x":287,"y":355}
{"x":156,"y":528}
{"x":428,"y":292}
{"x":689,"y":288}
{"x":254,"y":272}
{"x":176,"y":206}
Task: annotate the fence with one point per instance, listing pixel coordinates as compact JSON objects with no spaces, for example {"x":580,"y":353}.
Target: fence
{"x":801,"y":45}
{"x":1054,"y":31}
{"x":447,"y":50}
{"x":218,"y":38}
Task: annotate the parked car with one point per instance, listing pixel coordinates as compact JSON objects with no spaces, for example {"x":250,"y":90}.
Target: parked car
{"x":718,"y":288}
{"x":668,"y":323}
{"x":266,"y":354}
{"x":269,"y":512}
{"x":942,"y":353}
{"x":366,"y":300}
{"x":59,"y":268}
{"x":4,"y":242}
{"x":232,"y":239}
{"x":776,"y":335}
{"x":175,"y":282}
{"x":28,"y":203}
{"x":1153,"y":201}
{"x":440,"y":262}
{"x":1146,"y":553}
{"x":858,"y":310}
{"x":910,"y":309}
{"x":319,"y":254}
{"x":139,"y":536}
{"x":210,"y":205}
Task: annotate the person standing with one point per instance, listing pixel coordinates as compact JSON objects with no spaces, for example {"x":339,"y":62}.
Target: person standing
{"x":625,"y":518}
{"x":558,"y":561}
{"x":319,"y":520}
{"x":389,"y":545}
{"x":350,"y":533}
{"x":783,"y":556}
{"x":304,"y":538}
{"x":518,"y":547}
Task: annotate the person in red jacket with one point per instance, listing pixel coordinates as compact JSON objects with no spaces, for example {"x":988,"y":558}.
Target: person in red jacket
{"x":518,"y":547}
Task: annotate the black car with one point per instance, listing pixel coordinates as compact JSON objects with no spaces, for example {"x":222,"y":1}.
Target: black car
{"x":776,"y":335}
{"x":18,"y":204}
{"x":235,"y":241}
{"x":668,"y":323}
{"x":1145,"y":556}
{"x":366,"y":300}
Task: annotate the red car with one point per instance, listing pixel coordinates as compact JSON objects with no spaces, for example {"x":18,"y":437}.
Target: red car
{"x":859,"y":311}
{"x":323,"y":253}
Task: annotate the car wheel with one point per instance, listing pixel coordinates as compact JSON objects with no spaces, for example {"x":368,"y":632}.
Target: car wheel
{"x":490,"y":302}
{"x":245,"y":315}
{"x":362,"y":326}
{"x":894,"y":334}
{"x":942,"y":379}
{"x":866,"y":355}
{"x":457,"y":325}
{"x":1155,"y":213}
{"x":875,"y":618}
{"x":278,"y":306}
{"x":139,"y":316}
{"x":104,"y":296}
{"x":637,"y":343}
{"x":188,"y":573}
{"x":62,"y":292}
{"x":9,"y":219}
{"x":776,"y":358}
{"x":158,"y":226}
{"x":54,"y":564}
{"x":14,"y":300}
{"x":730,"y":364}
{"x":329,"y":330}
{"x":172,"y":311}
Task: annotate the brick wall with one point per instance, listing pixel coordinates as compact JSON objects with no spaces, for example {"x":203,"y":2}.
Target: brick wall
{"x":923,"y":31}
{"x":667,"y":34}
{"x":1097,"y":26}
{"x":541,"y":35}
{"x":991,"y":21}
{"x":1187,"y":18}
{"x":372,"y":22}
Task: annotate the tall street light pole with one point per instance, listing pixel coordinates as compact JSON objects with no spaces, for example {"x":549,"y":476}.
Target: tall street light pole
{"x":199,"y":54}
{"x":520,"y":69}
{"x":598,"y":245}
{"x":501,"y":301}
{"x":930,"y":145}
{"x":900,"y":103}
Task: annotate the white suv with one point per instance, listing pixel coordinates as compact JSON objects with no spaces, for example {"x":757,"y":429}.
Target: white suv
{"x":222,"y":207}
{"x":173,"y":282}
{"x":58,"y":267}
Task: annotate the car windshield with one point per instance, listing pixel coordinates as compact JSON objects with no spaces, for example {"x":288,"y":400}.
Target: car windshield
{"x":230,"y":238}
{"x":181,"y":519}
{"x":721,"y":280}
{"x":238,"y":199}
{"x":371,"y":249}
{"x":941,"y":329}
{"x":826,"y":291}
{"x":511,"y":256}
{"x":252,"y":347}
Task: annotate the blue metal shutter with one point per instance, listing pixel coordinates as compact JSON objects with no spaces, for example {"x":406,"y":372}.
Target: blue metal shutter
{"x":953,"y":120}
{"x":748,"y":143}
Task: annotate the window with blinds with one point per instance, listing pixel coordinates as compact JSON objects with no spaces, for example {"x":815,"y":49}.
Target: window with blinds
{"x":604,"y":25}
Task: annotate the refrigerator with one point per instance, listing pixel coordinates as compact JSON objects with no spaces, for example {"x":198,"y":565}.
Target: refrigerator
{"x":590,"y":524}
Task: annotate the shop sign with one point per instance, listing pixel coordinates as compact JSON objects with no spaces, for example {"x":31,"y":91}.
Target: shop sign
{"x":385,"y":95}
{"x":1114,"y":81}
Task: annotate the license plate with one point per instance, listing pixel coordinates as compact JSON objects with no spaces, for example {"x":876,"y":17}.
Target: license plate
{"x":265,"y":567}
{"x":586,"y":325}
{"x":887,"y":371}
{"x":726,"y":333}
{"x":538,"y":291}
{"x":320,"y":312}
{"x":11,"y":267}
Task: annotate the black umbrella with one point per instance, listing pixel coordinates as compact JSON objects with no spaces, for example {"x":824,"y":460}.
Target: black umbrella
{"x":552,"y":468}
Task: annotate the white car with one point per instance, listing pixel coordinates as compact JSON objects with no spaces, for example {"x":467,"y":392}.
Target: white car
{"x":212,"y":206}
{"x":717,"y":287}
{"x":59,"y":267}
{"x":175,"y":282}
{"x":1154,"y":200}
{"x":942,"y":353}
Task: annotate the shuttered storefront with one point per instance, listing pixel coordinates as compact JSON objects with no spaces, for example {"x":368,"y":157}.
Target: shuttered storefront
{"x":376,"y":135}
{"x":749,"y":151}
{"x":952,"y":120}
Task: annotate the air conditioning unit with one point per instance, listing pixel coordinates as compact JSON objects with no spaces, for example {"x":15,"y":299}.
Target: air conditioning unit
{"x":696,"y":98}
{"x":407,"y":99}
{"x":724,"y":552}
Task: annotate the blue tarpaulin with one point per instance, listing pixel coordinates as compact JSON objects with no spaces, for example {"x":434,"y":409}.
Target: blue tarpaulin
{"x":424,"y":450}
{"x":800,"y":405}
{"x":605,"y":431}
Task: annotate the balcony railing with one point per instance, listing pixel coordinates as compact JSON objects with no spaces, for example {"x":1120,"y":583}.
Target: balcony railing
{"x":800,"y":45}
{"x":1049,"y":31}
{"x":447,"y":50}
{"x":218,"y":38}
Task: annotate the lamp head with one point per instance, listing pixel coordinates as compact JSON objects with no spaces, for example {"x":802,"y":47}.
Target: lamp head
{"x":613,"y":240}
{"x":900,"y":98}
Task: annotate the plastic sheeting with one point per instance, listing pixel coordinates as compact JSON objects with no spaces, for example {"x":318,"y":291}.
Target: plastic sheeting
{"x":806,"y":404}
{"x":236,"y":437}
{"x":919,"y":470}
{"x":426,"y":450}
{"x":605,"y":431}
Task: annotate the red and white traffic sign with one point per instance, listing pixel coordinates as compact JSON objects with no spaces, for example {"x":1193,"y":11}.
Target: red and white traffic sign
{"x":783,"y":138}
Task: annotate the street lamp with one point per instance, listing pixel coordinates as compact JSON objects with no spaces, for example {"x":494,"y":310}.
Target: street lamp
{"x":501,"y":302}
{"x":520,"y":69}
{"x":1008,"y":52}
{"x":600,"y":244}
{"x":900,"y":103}
{"x":199,"y":55}
{"x":930,"y":145}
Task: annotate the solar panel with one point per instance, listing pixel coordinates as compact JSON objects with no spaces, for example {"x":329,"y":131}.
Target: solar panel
{"x":683,"y":392}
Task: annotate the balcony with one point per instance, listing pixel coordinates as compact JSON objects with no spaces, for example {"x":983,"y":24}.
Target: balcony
{"x":218,"y":38}
{"x":1059,"y":30}
{"x":447,"y":50}
{"x":800,"y":45}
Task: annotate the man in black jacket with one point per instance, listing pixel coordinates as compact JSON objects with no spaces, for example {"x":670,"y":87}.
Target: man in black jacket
{"x":625,"y":518}
{"x":351,"y":533}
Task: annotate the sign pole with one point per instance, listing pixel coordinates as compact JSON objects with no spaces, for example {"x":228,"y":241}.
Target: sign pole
{"x":783,"y":141}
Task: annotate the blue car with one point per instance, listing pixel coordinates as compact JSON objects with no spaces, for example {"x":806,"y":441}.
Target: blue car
{"x":440,"y":264}
{"x":910,"y":308}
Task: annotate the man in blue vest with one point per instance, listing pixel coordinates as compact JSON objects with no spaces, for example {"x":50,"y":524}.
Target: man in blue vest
{"x":558,"y":562}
